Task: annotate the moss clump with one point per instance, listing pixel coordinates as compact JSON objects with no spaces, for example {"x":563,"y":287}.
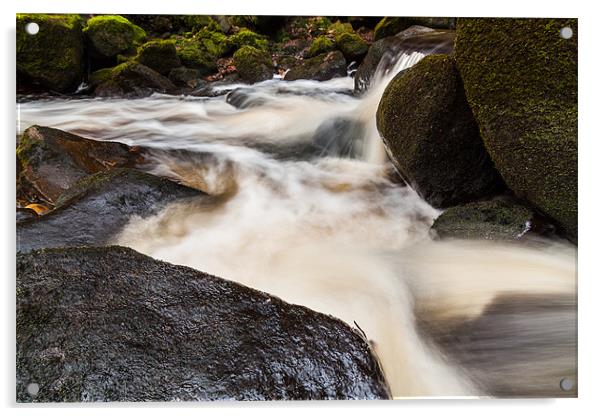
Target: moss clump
{"x":520,"y":78}
{"x":252,"y":64}
{"x":320,"y":45}
{"x":215,"y":43}
{"x":352,"y":46}
{"x":159,"y":55}
{"x":338,"y":28}
{"x":111,"y":35}
{"x":193,"y":55}
{"x":431,"y":136}
{"x":54,"y":57}
{"x":489,"y":220}
{"x":246,"y":37}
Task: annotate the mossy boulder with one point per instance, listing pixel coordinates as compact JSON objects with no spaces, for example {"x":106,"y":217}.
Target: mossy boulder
{"x":193,"y":55}
{"x":246,"y":37}
{"x":498,"y":219}
{"x":253,"y":65}
{"x":431,"y":136}
{"x":53,"y":58}
{"x":520,"y":78}
{"x":390,"y":26}
{"x":354,"y":48}
{"x":130,"y":79}
{"x":159,"y":55}
{"x":320,"y":45}
{"x":111,"y":35}
{"x":320,"y":68}
{"x":215,"y":43}
{"x":338,"y":28}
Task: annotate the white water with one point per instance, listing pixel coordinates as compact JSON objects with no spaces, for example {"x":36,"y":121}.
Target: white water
{"x":332,"y":233}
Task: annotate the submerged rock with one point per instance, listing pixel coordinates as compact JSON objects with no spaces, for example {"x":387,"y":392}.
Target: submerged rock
{"x":110,"y":324}
{"x":339,"y":136}
{"x":51,"y":160}
{"x":253,"y":65}
{"x":96,"y":208}
{"x":490,"y":220}
{"x":520,"y":78}
{"x":243,"y":98}
{"x":53,"y":58}
{"x":432,"y":137}
{"x":320,"y":68}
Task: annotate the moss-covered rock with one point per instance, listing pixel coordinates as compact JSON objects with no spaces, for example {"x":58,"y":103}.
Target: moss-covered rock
{"x":246,"y":37}
{"x":338,"y":28}
{"x":193,"y":55}
{"x":159,"y":55}
{"x":320,"y":68}
{"x":184,"y":77}
{"x":432,"y":137}
{"x":320,"y":45}
{"x":352,"y":45}
{"x":53,"y":58}
{"x":130,"y":79}
{"x":253,"y":65}
{"x":497,"y":219}
{"x":216,"y":43}
{"x":520,"y":78}
{"x":390,"y":26}
{"x":109,"y":36}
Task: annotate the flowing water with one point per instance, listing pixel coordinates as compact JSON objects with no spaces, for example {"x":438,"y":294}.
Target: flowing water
{"x":316,"y":219}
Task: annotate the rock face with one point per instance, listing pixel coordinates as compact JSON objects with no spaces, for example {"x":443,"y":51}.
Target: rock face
{"x":53,"y":58}
{"x":110,"y":324}
{"x":52,"y":160}
{"x":320,"y":68}
{"x":522,"y":89}
{"x":490,"y":220}
{"x":383,"y":53}
{"x":432,"y":137}
{"x":130,"y":79}
{"x":96,"y":208}
{"x":253,"y":65}
{"x":159,"y":55}
{"x":109,"y":36}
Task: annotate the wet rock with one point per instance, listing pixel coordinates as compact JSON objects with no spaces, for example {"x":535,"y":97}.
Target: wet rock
{"x":320,"y":68}
{"x":243,"y":98}
{"x":110,"y":324}
{"x":390,"y":26}
{"x":253,"y":65}
{"x":431,"y":136}
{"x":497,"y":219}
{"x":52,"y":160}
{"x":185,"y":77}
{"x":522,"y":89}
{"x":53,"y":58}
{"x":339,"y":136}
{"x":96,"y":208}
{"x":159,"y":55}
{"x":108,"y":36}
{"x":131,"y":80}
{"x":382,"y":54}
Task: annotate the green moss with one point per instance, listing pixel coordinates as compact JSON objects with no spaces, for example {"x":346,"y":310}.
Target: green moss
{"x":338,"y":28}
{"x":321,"y":44}
{"x":193,"y":55}
{"x":110,"y":35}
{"x":252,"y":64}
{"x":390,"y":26}
{"x":520,"y":78}
{"x":159,"y":55}
{"x":352,"y":46}
{"x":215,"y":43}
{"x":246,"y":37}
{"x":54,"y":57}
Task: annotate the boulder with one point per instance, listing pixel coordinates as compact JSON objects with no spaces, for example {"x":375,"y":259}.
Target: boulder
{"x":185,"y":77}
{"x":130,"y":79}
{"x":246,"y":37}
{"x":193,"y":55}
{"x":244,"y":98}
{"x":159,"y":55}
{"x":320,"y":45}
{"x":382,"y":54}
{"x":431,"y":136}
{"x":520,"y":78}
{"x":53,"y":58}
{"x":109,"y":36}
{"x":97,"y":207}
{"x":320,"y":68}
{"x":354,"y":48}
{"x":253,"y":65}
{"x":497,"y":219}
{"x":51,"y":160}
{"x":390,"y":26}
{"x":110,"y":324}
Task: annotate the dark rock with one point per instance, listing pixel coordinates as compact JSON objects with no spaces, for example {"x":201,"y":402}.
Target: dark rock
{"x":390,"y":26}
{"x":520,"y":78}
{"x":185,"y":77}
{"x":97,"y":207}
{"x":243,"y":98}
{"x":320,"y":68}
{"x":339,"y":137}
{"x":110,"y":324}
{"x":497,"y":219}
{"x":253,"y":65}
{"x":159,"y":55}
{"x":108,"y":36}
{"x":383,"y":53}
{"x":52,"y":160}
{"x":24,"y":214}
{"x":431,"y":136}
{"x":53,"y":58}
{"x":131,"y":80}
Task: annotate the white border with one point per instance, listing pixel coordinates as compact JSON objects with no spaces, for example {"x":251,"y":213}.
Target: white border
{"x":590,"y":282}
